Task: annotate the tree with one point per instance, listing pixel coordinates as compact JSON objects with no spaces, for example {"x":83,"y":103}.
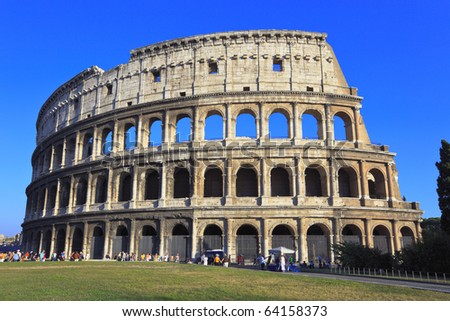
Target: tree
{"x":443,"y":183}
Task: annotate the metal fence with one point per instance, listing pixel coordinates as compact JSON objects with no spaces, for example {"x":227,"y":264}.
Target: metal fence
{"x":394,"y":274}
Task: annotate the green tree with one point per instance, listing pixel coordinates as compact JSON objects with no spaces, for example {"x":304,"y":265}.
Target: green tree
{"x":443,"y":183}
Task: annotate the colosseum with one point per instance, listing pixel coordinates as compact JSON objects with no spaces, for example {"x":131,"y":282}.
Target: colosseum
{"x":241,"y":141}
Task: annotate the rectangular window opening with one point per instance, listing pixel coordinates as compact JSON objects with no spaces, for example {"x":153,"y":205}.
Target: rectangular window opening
{"x":129,"y":103}
{"x":277,"y":65}
{"x":182,"y":93}
{"x":109,"y":89}
{"x":156,"y":76}
{"x":309,"y":88}
{"x":246,"y":89}
{"x":213,"y":68}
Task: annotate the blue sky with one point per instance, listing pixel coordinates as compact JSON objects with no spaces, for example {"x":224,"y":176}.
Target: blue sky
{"x":395,"y":52}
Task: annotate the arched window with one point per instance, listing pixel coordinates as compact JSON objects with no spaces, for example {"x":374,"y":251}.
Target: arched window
{"x":87,"y":145}
{"x":64,"y":194}
{"x":125,"y":188}
{"x":313,"y":182}
{"x":318,"y":242}
{"x":151,"y":185}
{"x":279,"y":182}
{"x":155,"y":135}
{"x":179,"y":242}
{"x":247,"y":243}
{"x":407,"y":238}
{"x":97,"y":243}
{"x":58,"y":156}
{"x":246,"y":125}
{"x":348,"y":182}
{"x":130,"y":137}
{"x":81,"y":192}
{"x":214,"y":127}
{"x":351,"y":234}
{"x":381,"y":239}
{"x":376,"y":182}
{"x":246,"y":182}
{"x":107,"y":141}
{"x":342,"y":127}
{"x":70,"y":152}
{"x":101,"y":189}
{"x":282,"y":236}
{"x":51,"y":197}
{"x":213,"y":182}
{"x":183,"y":132}
{"x":312,"y":125}
{"x":212,"y":237}
{"x":182,"y":186}
{"x":278,"y":126}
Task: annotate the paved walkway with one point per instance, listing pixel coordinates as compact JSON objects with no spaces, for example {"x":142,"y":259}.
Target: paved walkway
{"x":384,"y":281}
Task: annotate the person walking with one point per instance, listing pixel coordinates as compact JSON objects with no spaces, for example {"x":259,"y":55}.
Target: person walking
{"x":282,"y":263}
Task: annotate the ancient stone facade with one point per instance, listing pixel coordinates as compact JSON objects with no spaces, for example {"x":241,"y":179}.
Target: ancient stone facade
{"x":112,"y":170}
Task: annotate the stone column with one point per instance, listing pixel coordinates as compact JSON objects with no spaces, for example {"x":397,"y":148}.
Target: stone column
{"x":58,"y":190}
{"x":296,"y":123}
{"x":165,"y":144}
{"x":133,"y":236}
{"x":162,"y":235}
{"x":85,"y":238}
{"x":41,"y":240}
{"x":52,"y":158}
{"x":368,"y":235}
{"x":63,"y":153}
{"x":67,"y":241}
{"x":106,"y":248}
{"x":139,"y":140}
{"x":134,"y":188}
{"x":329,"y":134}
{"x":396,"y":236}
{"x":229,"y":239}
{"x":194,"y":246}
{"x":110,"y":191}
{"x":265,"y":237}
{"x":264,"y":182}
{"x":94,"y":143}
{"x":303,"y":246}
{"x":262,"y":131}
{"x":89,"y":191}
{"x":163,"y":184}
{"x":52,"y":243}
{"x":356,"y":117}
{"x":116,"y":138}
{"x":227,"y":120}
{"x":363,"y":181}
{"x":337,"y":226}
{"x":78,"y":148}
{"x":389,"y":178}
{"x":228,"y":182}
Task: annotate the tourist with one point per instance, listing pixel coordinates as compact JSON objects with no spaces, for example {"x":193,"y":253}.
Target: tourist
{"x":217,"y":261}
{"x":262,"y":261}
{"x":205,"y":260}
{"x":225,"y":261}
{"x":282,"y":263}
{"x":177,"y":258}
{"x":42,"y":256}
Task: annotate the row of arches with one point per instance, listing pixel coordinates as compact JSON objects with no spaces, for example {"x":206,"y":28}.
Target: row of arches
{"x":247,"y":184}
{"x":179,"y":240}
{"x":247,"y":125}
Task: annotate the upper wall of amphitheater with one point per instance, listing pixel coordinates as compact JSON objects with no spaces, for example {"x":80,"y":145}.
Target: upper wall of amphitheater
{"x":255,"y":61}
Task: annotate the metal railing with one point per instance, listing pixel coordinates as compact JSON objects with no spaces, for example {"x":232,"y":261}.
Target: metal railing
{"x":393,"y":274}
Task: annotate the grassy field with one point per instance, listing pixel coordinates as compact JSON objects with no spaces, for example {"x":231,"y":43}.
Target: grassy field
{"x":136,"y":281}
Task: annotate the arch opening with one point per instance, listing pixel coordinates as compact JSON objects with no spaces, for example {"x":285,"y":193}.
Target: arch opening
{"x":246,"y":182}
{"x":247,"y":242}
{"x":213,"y":183}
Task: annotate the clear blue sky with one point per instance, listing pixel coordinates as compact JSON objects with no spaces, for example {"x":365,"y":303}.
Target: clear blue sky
{"x":395,"y":52}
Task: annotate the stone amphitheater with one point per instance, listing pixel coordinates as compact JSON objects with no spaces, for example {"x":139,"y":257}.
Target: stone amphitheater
{"x":125,"y":159}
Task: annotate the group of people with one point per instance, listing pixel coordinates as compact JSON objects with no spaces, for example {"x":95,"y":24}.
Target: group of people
{"x":215,"y":260}
{"x":42,"y":256}
{"x":145,"y":257}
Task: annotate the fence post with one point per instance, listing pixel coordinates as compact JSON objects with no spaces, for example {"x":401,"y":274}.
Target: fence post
{"x":428,"y":276}
{"x":406,"y":274}
{"x":360,"y":273}
{"x":436,"y":277}
{"x":445,"y":279}
{"x":413,"y":275}
{"x":399,"y":274}
{"x":420,"y":274}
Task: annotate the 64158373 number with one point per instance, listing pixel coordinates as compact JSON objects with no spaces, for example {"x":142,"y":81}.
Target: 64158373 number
{"x":296,"y":310}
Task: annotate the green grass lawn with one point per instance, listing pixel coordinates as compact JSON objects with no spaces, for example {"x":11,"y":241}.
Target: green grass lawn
{"x":136,"y":281}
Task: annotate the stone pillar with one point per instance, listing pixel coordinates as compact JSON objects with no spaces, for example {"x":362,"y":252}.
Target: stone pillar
{"x":52,"y":243}
{"x":134,"y":188}
{"x":229,"y":239}
{"x":228,"y":182}
{"x":337,"y":226}
{"x":389,"y":179}
{"x":85,"y":238}
{"x":356,"y":117}
{"x":78,"y":148}
{"x":132,"y":236}
{"x":139,"y":136}
{"x":45,"y":200}
{"x":303,"y":246}
{"x":89,"y":191}
{"x":41,"y":240}
{"x":110,"y":189}
{"x":63,"y":153}
{"x":67,"y":241}
{"x":58,"y":190}
{"x":106,"y":248}
{"x":194,"y":245}
{"x":162,"y":235}
{"x":163,"y":184}
{"x":368,"y":235}
{"x":418,"y":231}
{"x":116,"y":142}
{"x":227,"y":123}
{"x":264,"y":182}
{"x":262,"y":131}
{"x":296,"y":123}
{"x":363,"y":180}
{"x":329,"y":134}
{"x":94,"y":143}
{"x":165,"y":132}
{"x":396,"y":236}
{"x":52,"y":158}
{"x":265,"y":237}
